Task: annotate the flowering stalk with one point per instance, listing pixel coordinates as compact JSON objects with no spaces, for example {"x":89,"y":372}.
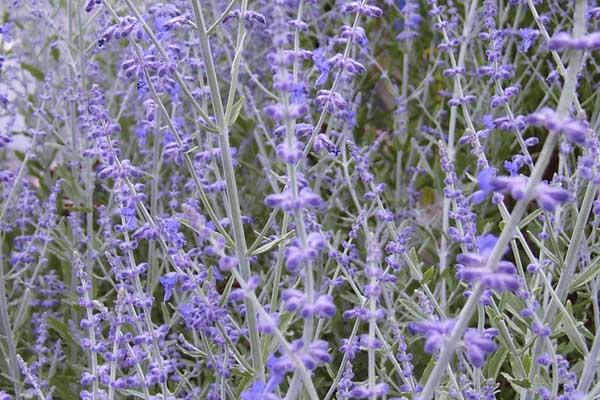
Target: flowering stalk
{"x":567,"y":96}
{"x":197,"y":107}
{"x":372,"y":324}
{"x":232,"y":191}
{"x":84,"y":291}
{"x":7,"y":332}
{"x":4,"y":316}
{"x":279,"y":335}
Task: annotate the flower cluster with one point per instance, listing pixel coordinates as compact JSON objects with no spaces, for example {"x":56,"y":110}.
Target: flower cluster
{"x":547,"y":196}
{"x":573,"y":129}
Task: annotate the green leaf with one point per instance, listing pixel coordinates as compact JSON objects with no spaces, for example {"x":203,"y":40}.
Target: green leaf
{"x":584,"y":277}
{"x":245,"y":380}
{"x":527,"y":362}
{"x":62,"y":329}
{"x":428,"y":369}
{"x":414,"y":260}
{"x":428,"y":275}
{"x":413,"y":308}
{"x":65,"y":386}
{"x":70,"y":186}
{"x":545,"y":251}
{"x":192,"y":354}
{"x":82,"y":209}
{"x":569,"y":325}
{"x":235,"y":112}
{"x":520,"y":383}
{"x":530,"y":217}
{"x":577,"y":330}
{"x":227,"y":290}
{"x":55,"y":53}
{"x":20,"y":155}
{"x":4,"y":359}
{"x":34,"y":71}
{"x":270,"y":245}
{"x":427,"y":196}
{"x":495,"y":362}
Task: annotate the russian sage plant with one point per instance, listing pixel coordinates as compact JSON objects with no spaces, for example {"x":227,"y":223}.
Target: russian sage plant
{"x":300,"y":199}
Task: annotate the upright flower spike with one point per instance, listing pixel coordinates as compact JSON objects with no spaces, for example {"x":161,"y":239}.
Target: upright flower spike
{"x":412,"y":21}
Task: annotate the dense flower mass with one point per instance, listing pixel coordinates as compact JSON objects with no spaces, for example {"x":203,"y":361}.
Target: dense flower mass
{"x":299,"y":199}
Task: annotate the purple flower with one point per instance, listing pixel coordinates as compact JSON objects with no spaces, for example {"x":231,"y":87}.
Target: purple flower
{"x":330,"y":101}
{"x":5,"y":32}
{"x":544,"y":393}
{"x":168,"y":282}
{"x":290,"y":153}
{"x":548,"y":197}
{"x":295,"y":300}
{"x":540,"y":330}
{"x":471,"y":267}
{"x":267,"y":324}
{"x":364,"y":392}
{"x":545,"y":359}
{"x":323,"y":142}
{"x":573,"y":129}
{"x":324,"y":307}
{"x":528,"y":37}
{"x":478,"y":344}
{"x":306,"y":199}
{"x":314,"y":354}
{"x":260,"y":391}
{"x":434,"y":332}
{"x":4,"y":395}
{"x":322,"y":64}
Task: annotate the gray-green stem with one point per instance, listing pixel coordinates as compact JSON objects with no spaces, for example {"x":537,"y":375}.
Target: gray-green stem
{"x":232,"y":191}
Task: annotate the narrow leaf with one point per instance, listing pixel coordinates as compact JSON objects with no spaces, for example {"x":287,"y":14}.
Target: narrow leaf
{"x":34,"y":71}
{"x":235,"y":112}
